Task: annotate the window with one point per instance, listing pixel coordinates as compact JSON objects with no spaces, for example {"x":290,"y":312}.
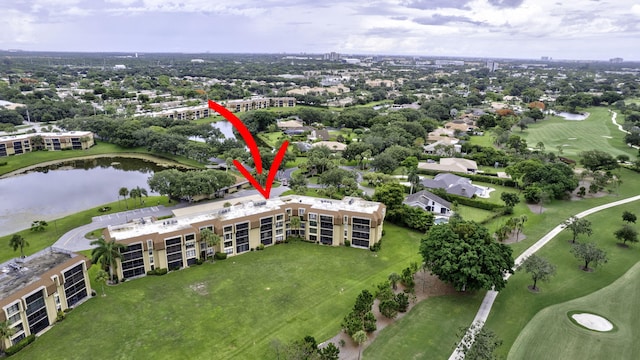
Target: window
{"x":345,"y":220}
{"x":301,"y":212}
{"x":37,"y":312}
{"x":288,"y":212}
{"x":133,"y":261}
{"x":313,"y":216}
{"x":74,"y":285}
{"x":13,"y":309}
{"x":279,"y":217}
{"x":174,"y":253}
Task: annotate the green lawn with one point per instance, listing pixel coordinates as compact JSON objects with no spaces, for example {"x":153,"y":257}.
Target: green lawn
{"x":232,"y":309}
{"x":565,"y":340}
{"x":40,"y":240}
{"x":595,"y":132}
{"x":515,"y":306}
{"x":428,"y":331}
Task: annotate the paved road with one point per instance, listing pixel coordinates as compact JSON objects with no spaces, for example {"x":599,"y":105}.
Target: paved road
{"x":490,"y":297}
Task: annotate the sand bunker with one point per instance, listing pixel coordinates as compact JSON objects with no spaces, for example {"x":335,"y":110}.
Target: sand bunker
{"x":593,"y":322}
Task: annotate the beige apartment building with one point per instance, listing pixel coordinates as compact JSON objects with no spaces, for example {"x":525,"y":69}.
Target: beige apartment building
{"x":259,"y":103}
{"x":34,"y":289}
{"x":176,"y":243}
{"x":20,"y":144}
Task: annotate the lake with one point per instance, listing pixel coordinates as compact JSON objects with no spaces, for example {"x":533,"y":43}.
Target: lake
{"x":68,"y":187}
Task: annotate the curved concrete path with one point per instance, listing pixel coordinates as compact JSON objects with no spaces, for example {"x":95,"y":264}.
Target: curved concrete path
{"x":613,"y":120}
{"x":490,"y":297}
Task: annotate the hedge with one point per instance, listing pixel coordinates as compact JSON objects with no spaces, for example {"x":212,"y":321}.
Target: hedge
{"x":20,"y":345}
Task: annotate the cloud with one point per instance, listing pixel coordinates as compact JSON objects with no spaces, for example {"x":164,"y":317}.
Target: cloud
{"x":437,"y":19}
{"x":506,"y":3}
{"x":437,"y":4}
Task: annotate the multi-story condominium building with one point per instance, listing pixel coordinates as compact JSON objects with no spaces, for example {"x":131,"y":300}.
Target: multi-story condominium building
{"x":259,"y":103}
{"x":175,"y":243}
{"x":20,"y":144}
{"x":34,"y":289}
{"x":182,"y":113}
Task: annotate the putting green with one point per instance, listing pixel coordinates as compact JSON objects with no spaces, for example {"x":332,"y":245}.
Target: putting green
{"x":552,"y":335}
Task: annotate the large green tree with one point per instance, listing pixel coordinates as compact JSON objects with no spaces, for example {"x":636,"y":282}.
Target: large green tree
{"x":589,"y":253}
{"x":464,"y":254}
{"x":392,"y":195}
{"x":578,"y":226}
{"x":540,"y":269}
{"x":106,"y":252}
{"x":626,"y":233}
{"x":595,"y":160}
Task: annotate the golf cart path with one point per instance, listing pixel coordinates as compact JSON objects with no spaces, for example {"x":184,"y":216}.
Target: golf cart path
{"x":490,"y":297}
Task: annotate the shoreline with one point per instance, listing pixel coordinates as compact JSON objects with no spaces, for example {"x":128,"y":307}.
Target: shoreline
{"x":158,"y":160}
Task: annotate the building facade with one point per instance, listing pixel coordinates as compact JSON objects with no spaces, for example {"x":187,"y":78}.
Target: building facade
{"x":20,"y":144}
{"x":259,"y":103}
{"x":176,"y":243}
{"x":34,"y":289}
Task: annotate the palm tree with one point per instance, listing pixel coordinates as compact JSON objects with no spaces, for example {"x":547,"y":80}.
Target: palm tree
{"x":210,"y":239}
{"x":135,"y":193}
{"x":143,"y":192}
{"x":18,"y":241}
{"x":107,"y":252}
{"x":6,"y":332}
{"x":124,"y":192}
{"x":360,"y":337}
{"x":101,"y":278}
{"x":295,"y":224}
{"x":394,"y":278}
{"x":38,"y":225}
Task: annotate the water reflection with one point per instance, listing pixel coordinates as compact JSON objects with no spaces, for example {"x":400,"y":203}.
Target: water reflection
{"x":51,"y":192}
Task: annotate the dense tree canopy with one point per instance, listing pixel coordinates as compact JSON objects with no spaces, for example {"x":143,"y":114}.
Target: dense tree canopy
{"x":464,"y":254}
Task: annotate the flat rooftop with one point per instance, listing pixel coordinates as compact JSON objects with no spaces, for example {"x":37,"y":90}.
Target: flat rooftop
{"x":243,"y":209}
{"x":16,"y":274}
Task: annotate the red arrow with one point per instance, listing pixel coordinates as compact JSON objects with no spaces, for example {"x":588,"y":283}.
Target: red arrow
{"x":255,"y":152}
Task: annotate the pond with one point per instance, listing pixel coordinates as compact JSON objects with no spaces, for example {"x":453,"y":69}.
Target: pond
{"x":226,"y":128}
{"x":571,"y":116}
{"x":59,"y":190}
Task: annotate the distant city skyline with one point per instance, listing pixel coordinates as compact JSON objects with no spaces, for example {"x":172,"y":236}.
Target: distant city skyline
{"x":518,"y":29}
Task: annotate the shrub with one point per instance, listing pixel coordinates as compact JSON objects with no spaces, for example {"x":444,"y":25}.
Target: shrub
{"x":388,"y":308}
{"x":61,"y":315}
{"x":347,"y":243}
{"x":161,"y":271}
{"x":199,"y":262}
{"x":376,"y":247}
{"x":260,"y":247}
{"x":3,"y":163}
{"x":93,"y":293}
{"x":369,"y":322}
{"x":220,"y":256}
{"x":402,"y":300}
{"x":20,"y":345}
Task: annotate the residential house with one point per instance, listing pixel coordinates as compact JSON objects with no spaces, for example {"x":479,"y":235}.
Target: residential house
{"x":429,"y":202}
{"x":453,"y":184}
{"x":459,"y":165}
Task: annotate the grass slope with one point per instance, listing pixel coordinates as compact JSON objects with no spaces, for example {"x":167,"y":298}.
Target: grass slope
{"x":232,"y":309}
{"x":564,"y":340}
{"x":428,"y":331}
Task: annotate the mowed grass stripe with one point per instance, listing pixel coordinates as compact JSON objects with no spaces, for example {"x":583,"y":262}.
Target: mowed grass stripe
{"x":563,"y":339}
{"x":232,"y":309}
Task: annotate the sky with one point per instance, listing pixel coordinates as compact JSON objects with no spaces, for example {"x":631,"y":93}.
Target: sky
{"x":525,"y":29}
